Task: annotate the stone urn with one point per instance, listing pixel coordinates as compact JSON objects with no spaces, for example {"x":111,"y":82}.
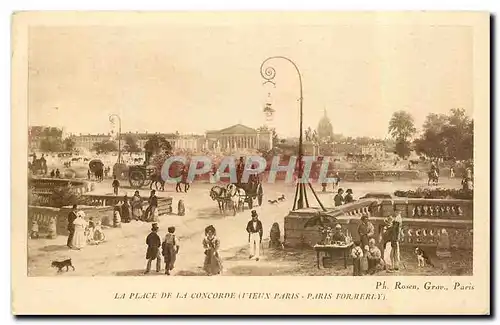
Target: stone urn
{"x":117,"y":220}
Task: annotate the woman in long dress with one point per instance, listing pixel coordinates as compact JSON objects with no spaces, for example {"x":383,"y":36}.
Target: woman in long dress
{"x":137,"y":206}
{"x":80,"y":224}
{"x":213,"y":263}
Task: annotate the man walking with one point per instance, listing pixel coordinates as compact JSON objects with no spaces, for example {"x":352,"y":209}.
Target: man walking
{"x":255,"y":232}
{"x":116,"y":185}
{"x":71,"y":226}
{"x":153,"y":252}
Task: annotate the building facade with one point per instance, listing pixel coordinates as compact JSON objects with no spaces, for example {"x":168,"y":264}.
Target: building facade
{"x":238,"y":137}
{"x":86,"y":141}
{"x":177,"y":141}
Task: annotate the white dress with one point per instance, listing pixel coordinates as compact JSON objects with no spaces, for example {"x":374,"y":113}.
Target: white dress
{"x":79,"y":239}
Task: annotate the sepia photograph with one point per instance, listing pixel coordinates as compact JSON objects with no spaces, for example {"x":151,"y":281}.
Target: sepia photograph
{"x":250,"y":146}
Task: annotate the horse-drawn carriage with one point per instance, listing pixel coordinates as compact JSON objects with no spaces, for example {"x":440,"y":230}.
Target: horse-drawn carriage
{"x":235,"y":195}
{"x":140,"y":175}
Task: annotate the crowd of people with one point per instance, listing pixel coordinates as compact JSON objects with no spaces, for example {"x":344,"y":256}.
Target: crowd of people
{"x":368,"y":258}
{"x":82,"y":232}
{"x":168,"y":248}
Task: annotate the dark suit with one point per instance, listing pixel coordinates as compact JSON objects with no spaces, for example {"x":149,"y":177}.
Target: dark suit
{"x":71,"y":227}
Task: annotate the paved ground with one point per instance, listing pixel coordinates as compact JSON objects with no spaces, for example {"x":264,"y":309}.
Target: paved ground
{"x":123,"y":253}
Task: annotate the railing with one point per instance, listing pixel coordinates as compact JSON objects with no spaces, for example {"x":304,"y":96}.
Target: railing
{"x":45,"y":215}
{"x":46,"y":185}
{"x":423,"y":221}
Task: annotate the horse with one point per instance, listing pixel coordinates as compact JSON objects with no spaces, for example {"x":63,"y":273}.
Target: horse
{"x":183,"y":180}
{"x":218,"y":193}
{"x":433,"y":176}
{"x":157,"y":179}
{"x":98,"y":173}
{"x":237,"y":195}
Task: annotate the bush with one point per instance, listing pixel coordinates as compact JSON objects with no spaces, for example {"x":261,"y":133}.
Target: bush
{"x":64,"y":196}
{"x":438,"y":193}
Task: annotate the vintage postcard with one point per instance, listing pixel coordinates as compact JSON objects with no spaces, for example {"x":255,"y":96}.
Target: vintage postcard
{"x":251,"y":163}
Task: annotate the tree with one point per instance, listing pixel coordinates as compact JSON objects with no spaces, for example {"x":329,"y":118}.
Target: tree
{"x":51,"y":145}
{"x":131,"y":144}
{"x":402,"y":126}
{"x":402,"y":129}
{"x":447,"y":136}
{"x":105,"y":146}
{"x":402,"y":148}
{"x":68,"y":144}
{"x":156,"y":144}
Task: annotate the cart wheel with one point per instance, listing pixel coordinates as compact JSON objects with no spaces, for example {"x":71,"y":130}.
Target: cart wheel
{"x":137,"y":179}
{"x":260,"y":194}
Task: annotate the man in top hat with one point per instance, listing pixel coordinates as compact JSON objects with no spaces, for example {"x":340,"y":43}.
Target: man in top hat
{"x":153,"y":253}
{"x":348,"y":196}
{"x":255,"y":232}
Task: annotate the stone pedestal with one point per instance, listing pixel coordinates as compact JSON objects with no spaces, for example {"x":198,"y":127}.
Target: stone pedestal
{"x":443,"y":245}
{"x":52,"y":233}
{"x":387,"y":208}
{"x":181,"y":210}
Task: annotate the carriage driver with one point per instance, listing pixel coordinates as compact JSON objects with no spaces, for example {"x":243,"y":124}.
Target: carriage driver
{"x":255,"y":232}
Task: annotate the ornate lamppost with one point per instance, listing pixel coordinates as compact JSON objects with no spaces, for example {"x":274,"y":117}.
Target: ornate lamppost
{"x":112,"y":117}
{"x":269,"y":73}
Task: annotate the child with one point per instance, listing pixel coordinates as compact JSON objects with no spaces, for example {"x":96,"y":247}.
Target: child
{"x":357,"y":255}
{"x":115,"y":184}
{"x":170,"y":249}
{"x":90,"y":231}
{"x":34,"y":230}
{"x":98,"y":233}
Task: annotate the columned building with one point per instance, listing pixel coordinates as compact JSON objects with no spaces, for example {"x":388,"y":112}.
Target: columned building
{"x":239,"y":137}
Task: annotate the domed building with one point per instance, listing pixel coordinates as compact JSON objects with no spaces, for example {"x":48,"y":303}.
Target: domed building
{"x":325,"y":128}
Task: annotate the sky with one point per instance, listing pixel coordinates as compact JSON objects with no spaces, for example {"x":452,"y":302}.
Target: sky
{"x":192,"y":77}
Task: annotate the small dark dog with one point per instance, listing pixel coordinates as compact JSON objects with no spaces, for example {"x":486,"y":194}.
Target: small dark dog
{"x":422,"y":257}
{"x":60,"y":265}
{"x":272,"y":201}
{"x":281,"y":198}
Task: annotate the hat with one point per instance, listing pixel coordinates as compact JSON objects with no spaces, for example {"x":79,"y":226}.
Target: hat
{"x":349,"y":191}
{"x":338,"y":226}
{"x":154,"y":226}
{"x":254,"y":213}
{"x":364,"y":217}
{"x":340,"y":190}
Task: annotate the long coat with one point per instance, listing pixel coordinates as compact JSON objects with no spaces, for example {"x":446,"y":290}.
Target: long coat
{"x":154,"y":243}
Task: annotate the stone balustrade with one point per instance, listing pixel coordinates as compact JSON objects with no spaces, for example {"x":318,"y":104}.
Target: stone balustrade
{"x":100,"y":208}
{"x":43,"y":216}
{"x":377,"y":175}
{"x":47,"y":185}
{"x":423,"y":220}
